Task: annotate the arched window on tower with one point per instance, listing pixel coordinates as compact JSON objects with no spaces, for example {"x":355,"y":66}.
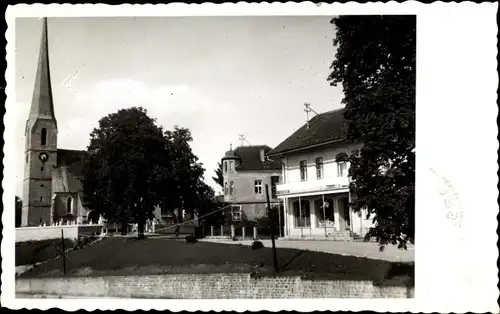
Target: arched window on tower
{"x":44,"y":136}
{"x":69,"y":204}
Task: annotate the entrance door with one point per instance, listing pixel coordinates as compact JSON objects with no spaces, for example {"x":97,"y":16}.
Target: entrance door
{"x":345,"y":213}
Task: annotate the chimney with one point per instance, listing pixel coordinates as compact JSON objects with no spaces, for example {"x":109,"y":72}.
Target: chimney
{"x":262,"y":155}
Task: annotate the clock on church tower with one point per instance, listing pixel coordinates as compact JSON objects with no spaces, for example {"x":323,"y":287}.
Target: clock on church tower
{"x":43,"y":156}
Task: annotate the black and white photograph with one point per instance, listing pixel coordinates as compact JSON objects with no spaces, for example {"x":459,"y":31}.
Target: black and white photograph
{"x":219,"y":157}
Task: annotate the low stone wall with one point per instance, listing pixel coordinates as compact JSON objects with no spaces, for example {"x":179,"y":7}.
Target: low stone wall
{"x":206,"y":286}
{"x":54,"y":232}
{"x":88,"y":230}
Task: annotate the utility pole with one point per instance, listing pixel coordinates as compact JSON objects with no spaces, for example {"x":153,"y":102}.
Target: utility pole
{"x":271,"y":217}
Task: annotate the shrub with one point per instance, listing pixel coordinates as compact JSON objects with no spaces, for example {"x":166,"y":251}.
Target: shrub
{"x":257,"y":245}
{"x":191,"y":239}
{"x":235,"y":239}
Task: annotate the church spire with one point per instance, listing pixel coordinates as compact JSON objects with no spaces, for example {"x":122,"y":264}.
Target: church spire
{"x":42,"y":105}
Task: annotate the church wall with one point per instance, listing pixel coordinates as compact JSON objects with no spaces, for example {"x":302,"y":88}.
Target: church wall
{"x":35,"y":167}
{"x":37,"y":190}
{"x":82,"y":210}
{"x":61,"y":208}
{"x":34,"y":136}
{"x":37,"y":216}
{"x":25,"y":208}
{"x":36,"y":210}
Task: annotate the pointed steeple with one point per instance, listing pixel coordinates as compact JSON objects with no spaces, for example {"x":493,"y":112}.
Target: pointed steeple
{"x":42,"y":105}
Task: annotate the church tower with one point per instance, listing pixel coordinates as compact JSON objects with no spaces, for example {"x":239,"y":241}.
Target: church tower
{"x":41,"y":144}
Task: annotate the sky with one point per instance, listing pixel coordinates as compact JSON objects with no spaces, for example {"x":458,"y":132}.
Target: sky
{"x":218,"y":76}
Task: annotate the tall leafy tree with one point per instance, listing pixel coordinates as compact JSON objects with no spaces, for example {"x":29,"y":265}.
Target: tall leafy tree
{"x":127,"y":164}
{"x":219,"y":178}
{"x":375,"y":63}
{"x":187,"y":177}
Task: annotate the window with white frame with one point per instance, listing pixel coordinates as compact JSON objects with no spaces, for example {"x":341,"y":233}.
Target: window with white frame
{"x":274,"y":186}
{"x":319,"y":168}
{"x":342,"y":159}
{"x":226,"y":188}
{"x":283,"y":173}
{"x":324,"y":212}
{"x":236,"y":212}
{"x":342,"y":169}
{"x":303,"y":170}
{"x":258,"y":186}
{"x":231,"y":188}
{"x":301,"y":213}
{"x":225,"y":166}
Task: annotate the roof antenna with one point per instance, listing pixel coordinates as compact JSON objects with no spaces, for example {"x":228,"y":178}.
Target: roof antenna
{"x":243,"y":140}
{"x":307,"y":109}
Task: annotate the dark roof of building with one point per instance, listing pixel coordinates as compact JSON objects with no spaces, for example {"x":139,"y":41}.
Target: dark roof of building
{"x":251,"y":158}
{"x":72,"y":159}
{"x":325,"y":127}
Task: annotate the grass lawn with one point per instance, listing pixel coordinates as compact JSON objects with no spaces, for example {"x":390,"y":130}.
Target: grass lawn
{"x":32,"y":252}
{"x":128,"y":256}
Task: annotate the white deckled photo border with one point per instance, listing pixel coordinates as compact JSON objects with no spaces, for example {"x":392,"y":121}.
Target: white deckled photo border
{"x":457,"y":79}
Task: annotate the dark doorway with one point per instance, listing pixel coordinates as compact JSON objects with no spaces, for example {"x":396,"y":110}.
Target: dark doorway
{"x":345,"y":212}
{"x":93,"y":216}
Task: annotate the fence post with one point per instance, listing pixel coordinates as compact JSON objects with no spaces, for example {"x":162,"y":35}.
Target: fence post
{"x":221,"y":230}
{"x":63,"y":252}
{"x":243,"y":231}
{"x":272,"y":216}
{"x":211,"y":231}
{"x":232,"y":231}
{"x":255,"y":233}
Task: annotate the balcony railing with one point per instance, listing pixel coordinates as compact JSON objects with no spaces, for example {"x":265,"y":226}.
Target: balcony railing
{"x":326,"y":184}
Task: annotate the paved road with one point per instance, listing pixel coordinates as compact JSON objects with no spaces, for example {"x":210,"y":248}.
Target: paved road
{"x":360,"y":249}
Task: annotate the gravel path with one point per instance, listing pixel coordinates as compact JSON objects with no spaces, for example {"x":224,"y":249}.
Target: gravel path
{"x":359,"y":249}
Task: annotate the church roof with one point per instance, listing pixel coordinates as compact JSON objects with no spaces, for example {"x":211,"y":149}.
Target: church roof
{"x":65,"y":181}
{"x":42,"y":104}
{"x":71,"y":158}
{"x":67,"y":175}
